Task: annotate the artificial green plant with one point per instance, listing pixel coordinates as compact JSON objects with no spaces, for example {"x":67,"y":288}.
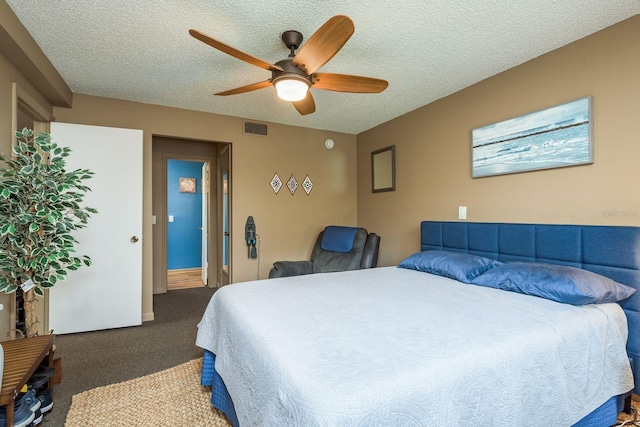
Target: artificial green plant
{"x":40,"y":208}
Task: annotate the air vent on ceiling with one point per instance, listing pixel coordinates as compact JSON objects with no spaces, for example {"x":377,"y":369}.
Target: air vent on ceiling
{"x":253,"y":128}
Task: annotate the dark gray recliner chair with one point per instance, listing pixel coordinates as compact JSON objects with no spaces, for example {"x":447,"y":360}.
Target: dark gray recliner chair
{"x":336,"y":249}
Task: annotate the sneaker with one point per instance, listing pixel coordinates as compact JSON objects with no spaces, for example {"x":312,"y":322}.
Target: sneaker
{"x":37,"y":417}
{"x":44,"y":396}
{"x":22,"y":416}
{"x":29,"y":399}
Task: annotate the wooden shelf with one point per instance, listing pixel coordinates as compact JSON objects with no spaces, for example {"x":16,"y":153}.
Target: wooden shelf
{"x":21,"y":359}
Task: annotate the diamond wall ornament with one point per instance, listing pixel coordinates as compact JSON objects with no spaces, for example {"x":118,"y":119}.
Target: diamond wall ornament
{"x":276,"y":183}
{"x":307,"y":185}
{"x":292,"y":184}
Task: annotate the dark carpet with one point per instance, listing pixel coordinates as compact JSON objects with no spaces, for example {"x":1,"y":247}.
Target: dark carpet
{"x":93,"y":359}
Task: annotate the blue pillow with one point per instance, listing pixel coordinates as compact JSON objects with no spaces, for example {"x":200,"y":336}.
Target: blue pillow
{"x":555,"y":282}
{"x":454,"y":265}
{"x":338,"y":239}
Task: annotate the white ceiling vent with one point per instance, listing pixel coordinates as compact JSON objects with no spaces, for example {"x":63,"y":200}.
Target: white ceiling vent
{"x":253,"y":128}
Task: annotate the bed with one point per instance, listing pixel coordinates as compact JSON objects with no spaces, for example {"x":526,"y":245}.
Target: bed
{"x":402,"y":346}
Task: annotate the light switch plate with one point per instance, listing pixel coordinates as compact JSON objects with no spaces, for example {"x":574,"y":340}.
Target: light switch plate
{"x":462,"y":212}
{"x":170,"y":218}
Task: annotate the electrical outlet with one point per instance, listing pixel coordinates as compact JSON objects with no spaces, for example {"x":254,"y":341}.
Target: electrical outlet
{"x":462,"y":212}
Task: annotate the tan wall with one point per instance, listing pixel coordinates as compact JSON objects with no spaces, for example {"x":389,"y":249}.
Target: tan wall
{"x":433,"y":148}
{"x":287,"y":224}
{"x":8,"y":76}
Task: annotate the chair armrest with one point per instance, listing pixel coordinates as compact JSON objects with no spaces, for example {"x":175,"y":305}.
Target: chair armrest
{"x":370,"y":251}
{"x":290,"y":268}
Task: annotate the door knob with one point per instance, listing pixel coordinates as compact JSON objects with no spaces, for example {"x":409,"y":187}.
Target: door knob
{"x":134,"y":239}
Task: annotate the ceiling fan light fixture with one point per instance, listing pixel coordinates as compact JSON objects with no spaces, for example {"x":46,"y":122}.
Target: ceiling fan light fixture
{"x":291,"y":88}
{"x":293,"y":77}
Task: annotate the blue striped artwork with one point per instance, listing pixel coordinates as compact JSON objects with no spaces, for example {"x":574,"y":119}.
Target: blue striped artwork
{"x":555,"y":137}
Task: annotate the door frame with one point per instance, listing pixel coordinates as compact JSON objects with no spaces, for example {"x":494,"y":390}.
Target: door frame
{"x":224,"y":159}
{"x":21,"y":100}
{"x":159,"y":192}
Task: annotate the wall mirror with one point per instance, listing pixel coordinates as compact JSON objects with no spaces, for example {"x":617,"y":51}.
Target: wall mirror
{"x":383,"y":169}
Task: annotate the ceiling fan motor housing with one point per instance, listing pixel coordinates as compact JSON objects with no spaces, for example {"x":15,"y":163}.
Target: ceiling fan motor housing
{"x":290,"y":71}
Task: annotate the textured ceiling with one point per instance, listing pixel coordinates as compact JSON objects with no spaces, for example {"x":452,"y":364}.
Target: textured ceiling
{"x":141,"y":50}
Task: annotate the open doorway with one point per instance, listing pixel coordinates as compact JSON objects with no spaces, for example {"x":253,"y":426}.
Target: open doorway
{"x":187,"y":227}
{"x":187,"y":246}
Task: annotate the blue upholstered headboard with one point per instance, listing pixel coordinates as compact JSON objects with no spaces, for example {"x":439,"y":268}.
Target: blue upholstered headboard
{"x":607,"y":250}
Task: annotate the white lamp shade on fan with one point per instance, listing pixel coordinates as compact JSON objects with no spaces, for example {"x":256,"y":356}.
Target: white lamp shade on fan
{"x":292,"y":89}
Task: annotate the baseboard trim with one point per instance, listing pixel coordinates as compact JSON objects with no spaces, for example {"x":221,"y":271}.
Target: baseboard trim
{"x":147,"y":317}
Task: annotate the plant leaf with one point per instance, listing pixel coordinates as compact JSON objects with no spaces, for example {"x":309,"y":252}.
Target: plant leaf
{"x":40,"y":207}
{"x":7,"y":229}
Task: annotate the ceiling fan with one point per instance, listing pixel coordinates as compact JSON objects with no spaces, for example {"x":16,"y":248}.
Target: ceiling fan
{"x":294,"y":76}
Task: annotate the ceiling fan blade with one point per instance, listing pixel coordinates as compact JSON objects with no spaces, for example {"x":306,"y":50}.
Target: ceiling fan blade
{"x":233,"y":51}
{"x":348,"y":83}
{"x":247,"y":88}
{"x":324,"y":43}
{"x":306,"y":106}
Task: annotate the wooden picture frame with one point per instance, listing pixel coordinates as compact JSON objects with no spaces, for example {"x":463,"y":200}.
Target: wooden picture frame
{"x":383,"y":169}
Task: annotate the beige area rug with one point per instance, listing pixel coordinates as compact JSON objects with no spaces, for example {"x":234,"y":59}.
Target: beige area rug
{"x":631,"y":419}
{"x":173,"y":397}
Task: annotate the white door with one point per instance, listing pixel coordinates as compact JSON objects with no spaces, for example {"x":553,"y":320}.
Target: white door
{"x":109,"y":293}
{"x":205,"y":222}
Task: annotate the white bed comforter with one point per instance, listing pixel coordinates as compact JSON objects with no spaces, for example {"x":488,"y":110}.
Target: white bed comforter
{"x":397,"y":347}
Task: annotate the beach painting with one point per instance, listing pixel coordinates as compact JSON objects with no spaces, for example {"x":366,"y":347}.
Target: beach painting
{"x":556,"y":137}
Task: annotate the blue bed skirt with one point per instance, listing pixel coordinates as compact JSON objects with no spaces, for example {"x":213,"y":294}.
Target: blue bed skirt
{"x":219,"y":395}
{"x":604,"y":416}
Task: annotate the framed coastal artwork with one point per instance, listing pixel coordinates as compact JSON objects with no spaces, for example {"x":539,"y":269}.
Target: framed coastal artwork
{"x":555,"y":137}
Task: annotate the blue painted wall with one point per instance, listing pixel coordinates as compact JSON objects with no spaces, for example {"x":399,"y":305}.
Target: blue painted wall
{"x":184,"y":237}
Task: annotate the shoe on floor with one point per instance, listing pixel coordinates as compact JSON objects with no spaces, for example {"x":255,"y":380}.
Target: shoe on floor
{"x":45,"y":371}
{"x":41,"y":375}
{"x":44,"y":396}
{"x":37,"y":381}
{"x":22,"y":416}
{"x":38,"y":416}
{"x":29,"y":399}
